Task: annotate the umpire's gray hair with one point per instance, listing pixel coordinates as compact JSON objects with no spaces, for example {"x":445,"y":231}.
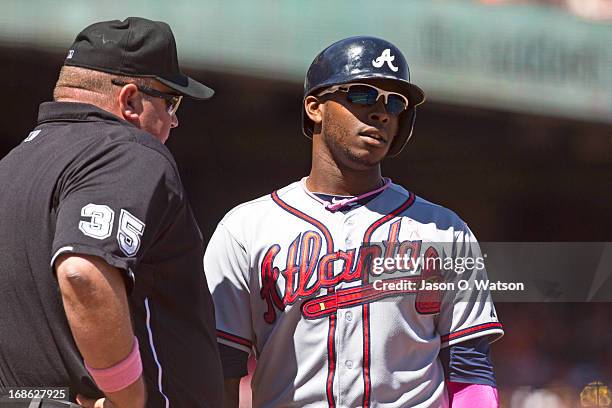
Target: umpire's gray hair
{"x":96,"y":83}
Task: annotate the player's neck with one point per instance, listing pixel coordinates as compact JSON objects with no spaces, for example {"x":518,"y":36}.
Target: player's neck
{"x":344,"y":182}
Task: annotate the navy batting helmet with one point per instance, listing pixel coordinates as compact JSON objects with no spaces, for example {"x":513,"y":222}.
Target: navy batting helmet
{"x":363,"y":58}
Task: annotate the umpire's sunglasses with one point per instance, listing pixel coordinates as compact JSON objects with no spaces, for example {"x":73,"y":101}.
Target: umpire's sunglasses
{"x":365,"y":94}
{"x":172,"y":101}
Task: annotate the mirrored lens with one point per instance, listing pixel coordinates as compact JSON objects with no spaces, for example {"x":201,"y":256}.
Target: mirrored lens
{"x":395,"y":104}
{"x":361,"y":94}
{"x":367,"y":95}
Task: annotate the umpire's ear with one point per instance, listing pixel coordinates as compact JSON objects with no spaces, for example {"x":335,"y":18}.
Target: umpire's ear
{"x":313,"y":108}
{"x":130,"y":104}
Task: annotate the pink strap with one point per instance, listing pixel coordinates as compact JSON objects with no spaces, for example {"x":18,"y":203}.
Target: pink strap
{"x":121,"y":375}
{"x":346,"y":201}
{"x":472,"y":395}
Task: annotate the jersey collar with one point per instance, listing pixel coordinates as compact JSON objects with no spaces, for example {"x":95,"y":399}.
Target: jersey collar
{"x":341,"y":202}
{"x":75,"y":112}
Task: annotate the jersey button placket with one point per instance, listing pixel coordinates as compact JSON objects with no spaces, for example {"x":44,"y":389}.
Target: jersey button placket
{"x":349,"y":372}
{"x":349,"y":231}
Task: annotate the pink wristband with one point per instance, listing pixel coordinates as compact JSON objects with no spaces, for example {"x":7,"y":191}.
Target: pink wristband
{"x":472,"y":395}
{"x":121,"y":375}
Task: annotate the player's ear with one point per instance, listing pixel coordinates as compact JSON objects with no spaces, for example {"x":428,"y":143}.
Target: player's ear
{"x":314,"y":109}
{"x":130,"y":104}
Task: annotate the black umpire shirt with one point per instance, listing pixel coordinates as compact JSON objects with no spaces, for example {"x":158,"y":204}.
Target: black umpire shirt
{"x":86,"y":182}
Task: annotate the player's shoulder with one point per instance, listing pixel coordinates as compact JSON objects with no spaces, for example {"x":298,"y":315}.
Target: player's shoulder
{"x":257,"y":208}
{"x":425,"y":211}
{"x":251,"y":215}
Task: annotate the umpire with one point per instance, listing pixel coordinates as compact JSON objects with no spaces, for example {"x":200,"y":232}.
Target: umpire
{"x":101,"y":279}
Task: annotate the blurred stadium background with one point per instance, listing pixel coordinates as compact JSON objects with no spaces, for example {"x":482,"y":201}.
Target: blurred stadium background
{"x":516,"y":135}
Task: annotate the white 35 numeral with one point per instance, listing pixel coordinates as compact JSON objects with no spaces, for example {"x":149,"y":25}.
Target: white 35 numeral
{"x":130,"y":231}
{"x":101,"y":224}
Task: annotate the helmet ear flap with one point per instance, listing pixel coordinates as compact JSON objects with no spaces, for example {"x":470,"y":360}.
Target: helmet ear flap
{"x":404,"y":133}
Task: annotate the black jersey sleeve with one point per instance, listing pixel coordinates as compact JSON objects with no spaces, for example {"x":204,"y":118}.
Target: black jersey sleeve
{"x":114,"y":202}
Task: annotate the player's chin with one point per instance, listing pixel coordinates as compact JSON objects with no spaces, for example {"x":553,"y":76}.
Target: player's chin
{"x":364,"y":158}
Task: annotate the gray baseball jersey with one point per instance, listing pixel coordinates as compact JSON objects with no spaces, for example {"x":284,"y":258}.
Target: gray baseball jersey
{"x":293,"y":283}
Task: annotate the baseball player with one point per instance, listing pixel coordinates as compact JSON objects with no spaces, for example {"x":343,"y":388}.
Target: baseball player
{"x":292,"y":273}
{"x":101,"y":278}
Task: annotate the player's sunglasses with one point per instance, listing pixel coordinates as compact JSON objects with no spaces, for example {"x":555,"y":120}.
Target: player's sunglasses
{"x":365,"y":94}
{"x":172,"y":101}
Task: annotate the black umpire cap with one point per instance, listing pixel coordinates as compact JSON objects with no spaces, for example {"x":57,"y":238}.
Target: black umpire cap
{"x":134,"y":47}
